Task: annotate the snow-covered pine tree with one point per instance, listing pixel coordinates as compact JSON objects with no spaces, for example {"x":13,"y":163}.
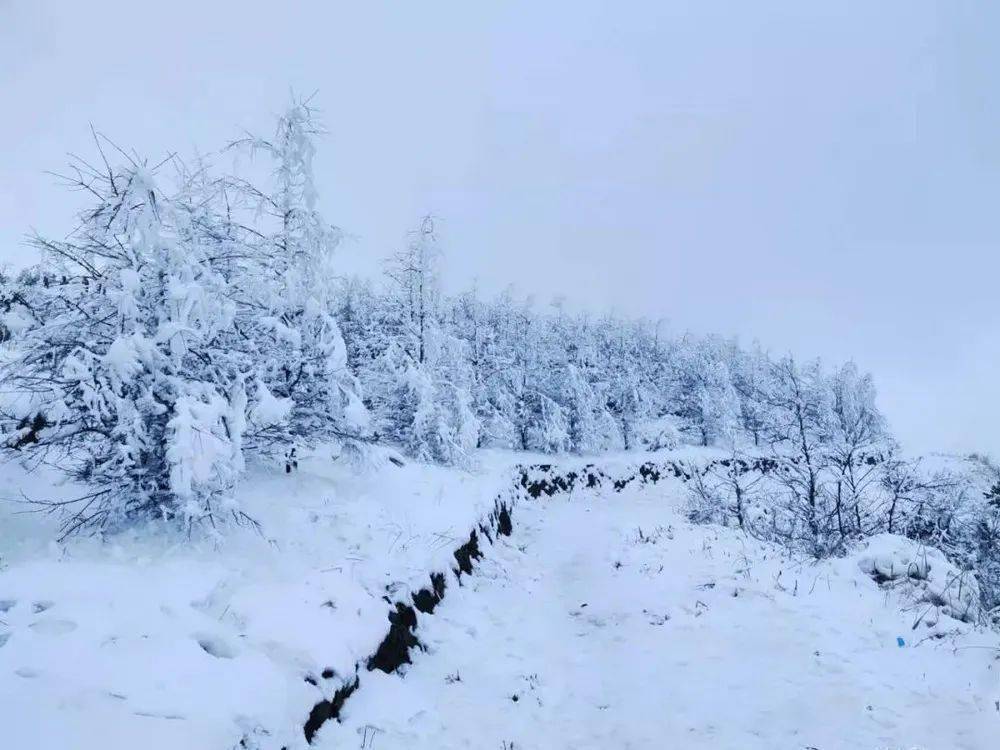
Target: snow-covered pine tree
{"x":423,"y":370}
{"x":503,"y":374}
{"x":542,"y":419}
{"x":129,"y":377}
{"x":308,"y":394}
{"x":626,"y":373}
{"x":445,"y":427}
{"x":593,"y":428}
{"x":480,"y":328}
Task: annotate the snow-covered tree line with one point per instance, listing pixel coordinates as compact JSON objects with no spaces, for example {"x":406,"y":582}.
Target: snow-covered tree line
{"x":442,"y":375}
{"x":194,"y":318}
{"x":553,"y":382}
{"x":197,"y":319}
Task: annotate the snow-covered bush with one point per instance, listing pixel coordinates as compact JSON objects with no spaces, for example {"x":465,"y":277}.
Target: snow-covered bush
{"x":658,"y":434}
{"x":729,"y":492}
{"x":923,"y":575}
{"x":956,"y":508}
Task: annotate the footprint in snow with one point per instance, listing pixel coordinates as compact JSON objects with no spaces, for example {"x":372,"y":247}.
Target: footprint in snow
{"x":53,"y":627}
{"x":216,"y":647}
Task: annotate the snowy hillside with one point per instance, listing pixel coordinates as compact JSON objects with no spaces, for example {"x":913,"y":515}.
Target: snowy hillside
{"x":470,"y":376}
{"x":278,"y":506}
{"x":156,"y":642}
{"x":605,"y":619}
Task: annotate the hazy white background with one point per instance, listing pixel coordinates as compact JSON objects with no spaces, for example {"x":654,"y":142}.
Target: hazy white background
{"x":821,"y":176}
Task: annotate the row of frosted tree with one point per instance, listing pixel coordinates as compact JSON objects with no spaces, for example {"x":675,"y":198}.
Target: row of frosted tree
{"x":194,"y":320}
{"x":498,"y":373}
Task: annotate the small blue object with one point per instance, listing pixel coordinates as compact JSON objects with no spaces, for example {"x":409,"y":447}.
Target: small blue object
{"x":900,"y":642}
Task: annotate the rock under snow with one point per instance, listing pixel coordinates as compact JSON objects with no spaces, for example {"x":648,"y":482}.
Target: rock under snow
{"x":923,"y":573}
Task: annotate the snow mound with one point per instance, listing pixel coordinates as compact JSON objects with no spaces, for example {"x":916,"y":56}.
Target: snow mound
{"x":923,"y":574}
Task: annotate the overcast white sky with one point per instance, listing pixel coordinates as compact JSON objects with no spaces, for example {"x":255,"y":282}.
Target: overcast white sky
{"x":821,"y":176}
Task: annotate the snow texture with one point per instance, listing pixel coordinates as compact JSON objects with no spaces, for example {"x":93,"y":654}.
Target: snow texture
{"x":605,"y":620}
{"x":159,"y":642}
{"x":608,"y":621}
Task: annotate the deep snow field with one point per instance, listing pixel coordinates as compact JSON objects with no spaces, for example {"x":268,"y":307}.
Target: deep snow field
{"x":605,"y":620}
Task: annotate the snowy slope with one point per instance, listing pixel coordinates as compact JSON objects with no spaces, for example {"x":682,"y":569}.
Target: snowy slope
{"x":612,"y":621}
{"x":161,"y":642}
{"x":607,"y":621}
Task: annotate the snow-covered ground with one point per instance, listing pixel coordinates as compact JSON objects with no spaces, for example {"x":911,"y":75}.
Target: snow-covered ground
{"x":607,"y":621}
{"x":162,"y":643}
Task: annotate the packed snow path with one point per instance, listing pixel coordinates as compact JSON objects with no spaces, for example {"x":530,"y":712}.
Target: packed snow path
{"x":610,"y":622}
